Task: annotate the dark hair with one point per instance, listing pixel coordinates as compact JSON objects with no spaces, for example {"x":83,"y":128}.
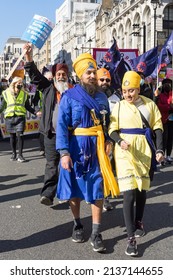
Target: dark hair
{"x":167,"y":81}
{"x":140,"y":73}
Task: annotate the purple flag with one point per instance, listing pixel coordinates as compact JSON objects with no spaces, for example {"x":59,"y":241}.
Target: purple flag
{"x":111,"y":58}
{"x":146,"y":62}
{"x":169,"y":44}
{"x":163,"y":59}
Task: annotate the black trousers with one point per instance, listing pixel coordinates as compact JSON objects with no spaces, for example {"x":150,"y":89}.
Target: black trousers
{"x":51,"y":168}
{"x":168,"y":137}
{"x":130,"y":216}
{"x":41,"y":141}
{"x":14,"y":138}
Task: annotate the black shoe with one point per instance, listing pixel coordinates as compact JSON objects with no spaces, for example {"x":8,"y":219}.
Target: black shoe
{"x":107,"y":206}
{"x":169,"y":159}
{"x":139,"y":232}
{"x":131,"y":249}
{"x":163,"y":163}
{"x":21,"y":159}
{"x":78,"y":234}
{"x":46,"y":201}
{"x":13,"y":157}
{"x":97,"y":243}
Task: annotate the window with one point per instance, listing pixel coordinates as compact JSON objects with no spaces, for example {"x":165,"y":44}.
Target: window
{"x":168,"y":20}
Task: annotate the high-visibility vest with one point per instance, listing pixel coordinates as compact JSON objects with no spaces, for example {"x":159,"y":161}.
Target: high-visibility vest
{"x":15,"y":106}
{"x":41,"y":99}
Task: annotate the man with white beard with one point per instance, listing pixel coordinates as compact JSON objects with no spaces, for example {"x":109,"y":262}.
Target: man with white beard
{"x":52,"y":91}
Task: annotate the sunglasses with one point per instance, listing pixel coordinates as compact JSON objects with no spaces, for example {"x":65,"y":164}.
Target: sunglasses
{"x":107,"y":80}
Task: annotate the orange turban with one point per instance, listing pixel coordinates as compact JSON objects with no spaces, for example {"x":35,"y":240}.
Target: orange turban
{"x":103,"y":72}
{"x":83,"y":62}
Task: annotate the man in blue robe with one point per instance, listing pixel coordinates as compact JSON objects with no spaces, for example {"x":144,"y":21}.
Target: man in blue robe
{"x":83,"y":112}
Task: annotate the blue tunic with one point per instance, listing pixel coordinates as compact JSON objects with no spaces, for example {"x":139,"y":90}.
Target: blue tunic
{"x":89,"y":186}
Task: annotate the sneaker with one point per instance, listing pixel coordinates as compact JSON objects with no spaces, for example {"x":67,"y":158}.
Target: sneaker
{"x":97,"y":243}
{"x":139,"y":229}
{"x":107,"y":206}
{"x":46,"y":201}
{"x":21,"y":159}
{"x":13,"y":157}
{"x":78,"y":234}
{"x":131,"y":249}
{"x":163,"y":163}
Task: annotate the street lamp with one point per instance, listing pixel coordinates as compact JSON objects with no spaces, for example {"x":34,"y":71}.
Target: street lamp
{"x":155,"y":4}
{"x":137,"y":33}
{"x":90,"y":41}
{"x":77,"y":51}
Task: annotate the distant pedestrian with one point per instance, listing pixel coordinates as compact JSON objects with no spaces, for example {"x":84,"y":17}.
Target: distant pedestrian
{"x":145,"y":88}
{"x":15,"y":103}
{"x":164,"y":101}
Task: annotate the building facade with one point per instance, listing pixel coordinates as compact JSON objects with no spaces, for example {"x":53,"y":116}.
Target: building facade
{"x":140,"y":24}
{"x":42,"y":57}
{"x":12,"y":50}
{"x":69,"y":36}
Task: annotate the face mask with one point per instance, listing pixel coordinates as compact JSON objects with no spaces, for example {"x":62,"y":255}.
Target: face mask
{"x":19,"y":86}
{"x":4,"y":84}
{"x":142,"y":82}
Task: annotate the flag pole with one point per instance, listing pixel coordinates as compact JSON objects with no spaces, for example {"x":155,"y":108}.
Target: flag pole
{"x":16,"y":64}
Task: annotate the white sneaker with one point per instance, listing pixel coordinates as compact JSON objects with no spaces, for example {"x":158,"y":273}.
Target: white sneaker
{"x":21,"y":159}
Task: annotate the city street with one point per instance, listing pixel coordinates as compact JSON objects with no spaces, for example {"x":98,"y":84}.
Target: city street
{"x":31,"y":231}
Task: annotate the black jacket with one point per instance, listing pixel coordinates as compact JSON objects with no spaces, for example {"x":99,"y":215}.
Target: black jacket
{"x":49,"y":97}
{"x":146,"y":91}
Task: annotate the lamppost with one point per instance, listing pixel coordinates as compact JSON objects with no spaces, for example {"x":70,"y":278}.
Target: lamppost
{"x":90,"y":41}
{"x":77,"y":51}
{"x":155,"y":4}
{"x":4,"y":58}
{"x":137,"y":33}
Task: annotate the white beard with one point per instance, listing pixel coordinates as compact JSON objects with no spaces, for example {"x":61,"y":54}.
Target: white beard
{"x":61,"y":86}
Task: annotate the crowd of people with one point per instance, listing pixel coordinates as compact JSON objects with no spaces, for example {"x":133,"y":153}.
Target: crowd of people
{"x":88,"y":132}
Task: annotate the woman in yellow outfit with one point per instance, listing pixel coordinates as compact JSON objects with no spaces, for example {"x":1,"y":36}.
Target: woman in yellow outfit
{"x":133,"y":121}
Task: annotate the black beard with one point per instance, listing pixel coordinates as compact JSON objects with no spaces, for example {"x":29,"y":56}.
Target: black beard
{"x":91,"y":89}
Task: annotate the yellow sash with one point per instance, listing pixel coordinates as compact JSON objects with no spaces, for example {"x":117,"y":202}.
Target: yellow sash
{"x":110,"y":184}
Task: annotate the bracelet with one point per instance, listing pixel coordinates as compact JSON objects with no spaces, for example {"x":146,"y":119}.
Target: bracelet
{"x":65,"y":154}
{"x":160,"y":151}
{"x":119,"y":141}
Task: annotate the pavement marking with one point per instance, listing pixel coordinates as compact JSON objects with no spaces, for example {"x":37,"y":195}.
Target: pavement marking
{"x":15,"y":206}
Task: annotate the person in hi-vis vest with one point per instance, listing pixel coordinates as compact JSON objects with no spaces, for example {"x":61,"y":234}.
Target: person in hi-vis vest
{"x":15,"y":103}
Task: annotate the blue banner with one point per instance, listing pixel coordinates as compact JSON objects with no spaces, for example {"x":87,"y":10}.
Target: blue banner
{"x":146,"y":63}
{"x":169,"y":44}
{"x":38,"y":31}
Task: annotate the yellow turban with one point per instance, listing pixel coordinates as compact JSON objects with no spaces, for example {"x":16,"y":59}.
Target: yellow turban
{"x":103,"y":72}
{"x":131,"y":79}
{"x":83,"y":62}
